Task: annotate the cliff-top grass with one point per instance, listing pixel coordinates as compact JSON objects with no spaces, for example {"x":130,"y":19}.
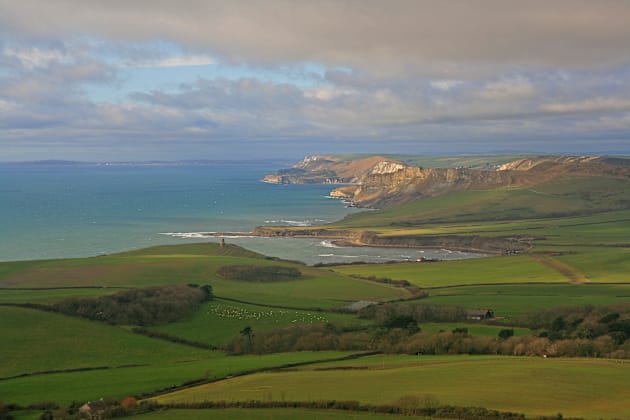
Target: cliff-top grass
{"x":556,"y":198}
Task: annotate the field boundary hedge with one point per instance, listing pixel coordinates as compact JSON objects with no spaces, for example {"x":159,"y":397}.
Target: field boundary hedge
{"x":201,"y":381}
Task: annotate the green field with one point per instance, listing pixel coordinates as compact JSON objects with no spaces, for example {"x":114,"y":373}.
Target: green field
{"x":219,"y":321}
{"x":265,"y":414}
{"x":558,"y":198}
{"x":191,"y":264}
{"x":578,"y":387}
{"x":45,"y":296}
{"x":124,"y":381}
{"x":57,"y":342}
{"x":491,"y":270}
{"x":510,"y":300}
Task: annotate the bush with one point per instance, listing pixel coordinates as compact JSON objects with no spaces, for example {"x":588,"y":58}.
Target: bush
{"x":506,"y":333}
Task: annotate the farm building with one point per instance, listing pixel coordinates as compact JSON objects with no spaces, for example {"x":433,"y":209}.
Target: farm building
{"x":480,"y":314}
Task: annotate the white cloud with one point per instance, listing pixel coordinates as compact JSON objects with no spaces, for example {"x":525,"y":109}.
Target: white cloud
{"x":180,"y":61}
{"x":33,"y":58}
{"x":445,"y":85}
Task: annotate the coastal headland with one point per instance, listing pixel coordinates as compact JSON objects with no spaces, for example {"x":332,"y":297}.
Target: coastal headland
{"x":409,"y":200}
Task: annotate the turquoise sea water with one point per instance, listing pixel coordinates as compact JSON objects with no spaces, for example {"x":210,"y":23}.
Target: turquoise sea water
{"x":59,"y":211}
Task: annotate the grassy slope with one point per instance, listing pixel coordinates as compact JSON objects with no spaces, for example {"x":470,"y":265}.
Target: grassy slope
{"x":559,"y":197}
{"x":219,"y":321}
{"x":578,"y":387}
{"x":510,"y":300}
{"x":493,"y":270}
{"x":265,"y":414}
{"x":45,"y":296}
{"x":56,"y":342}
{"x":192,"y":264}
{"x":83,"y":386}
{"x":594,"y":247}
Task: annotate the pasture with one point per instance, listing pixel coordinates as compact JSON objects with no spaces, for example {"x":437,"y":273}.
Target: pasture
{"x":265,"y":414}
{"x":58,"y":342}
{"x":512,"y":300}
{"x":47,"y":296}
{"x":134,"y":380}
{"x":191,"y":264}
{"x":490,"y":270}
{"x":217,"y":322}
{"x":588,"y":388}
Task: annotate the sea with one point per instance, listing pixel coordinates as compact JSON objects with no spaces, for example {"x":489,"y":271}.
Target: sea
{"x":52,"y":210}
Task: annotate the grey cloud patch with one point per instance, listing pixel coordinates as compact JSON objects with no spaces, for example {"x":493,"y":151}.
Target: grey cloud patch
{"x":339,"y":76}
{"x":592,"y":105}
{"x":409,"y":36}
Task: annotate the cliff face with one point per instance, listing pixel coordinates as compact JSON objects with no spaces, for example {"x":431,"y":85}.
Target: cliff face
{"x":381,"y":182}
{"x":410,"y":183}
{"x":325,"y":170}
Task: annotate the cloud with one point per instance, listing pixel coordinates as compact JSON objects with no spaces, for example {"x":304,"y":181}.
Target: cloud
{"x":34,"y":58}
{"x":592,"y":105}
{"x":412,"y":75}
{"x":181,"y":61}
{"x":445,"y":84}
{"x":507,"y":89}
{"x":454,"y":38}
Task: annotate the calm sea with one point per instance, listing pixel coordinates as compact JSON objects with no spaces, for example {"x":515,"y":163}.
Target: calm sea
{"x":58,"y":211}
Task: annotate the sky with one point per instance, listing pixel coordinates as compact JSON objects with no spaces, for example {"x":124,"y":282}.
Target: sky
{"x":201,"y":79}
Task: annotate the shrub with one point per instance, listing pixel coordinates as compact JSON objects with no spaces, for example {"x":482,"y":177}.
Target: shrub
{"x":506,"y":333}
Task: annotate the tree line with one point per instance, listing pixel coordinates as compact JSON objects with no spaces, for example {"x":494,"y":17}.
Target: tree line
{"x":397,"y":329}
{"x":581,"y":322}
{"x":143,"y":306}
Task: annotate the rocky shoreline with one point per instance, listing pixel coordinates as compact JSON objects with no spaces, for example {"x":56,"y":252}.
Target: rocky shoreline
{"x":508,"y":245}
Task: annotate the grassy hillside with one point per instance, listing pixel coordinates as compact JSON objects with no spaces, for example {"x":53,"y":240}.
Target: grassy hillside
{"x":197,"y":264}
{"x":58,"y":342}
{"x":219,"y":321}
{"x":563,"y":197}
{"x":511,"y":300}
{"x":124,"y":381}
{"x":266,"y":414}
{"x":492,"y":270}
{"x":577,"y":387}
